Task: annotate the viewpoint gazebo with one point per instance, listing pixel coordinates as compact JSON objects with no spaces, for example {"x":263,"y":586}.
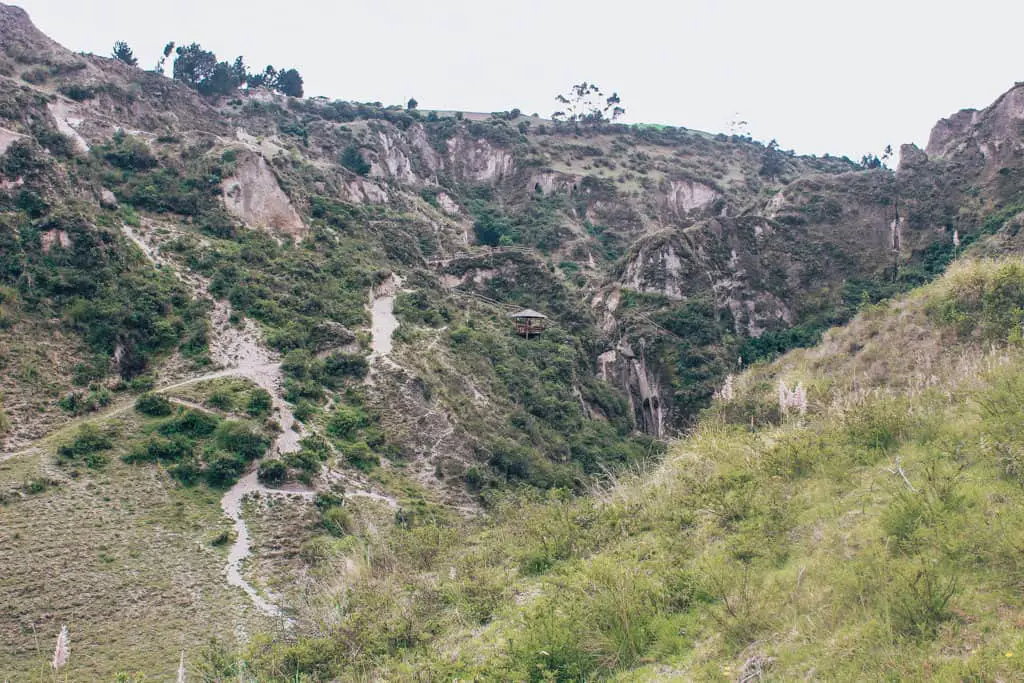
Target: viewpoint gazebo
{"x":529,"y":322}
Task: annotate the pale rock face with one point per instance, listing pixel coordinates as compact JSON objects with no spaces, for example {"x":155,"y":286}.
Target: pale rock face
{"x":254,"y":196}
{"x":52,"y":238}
{"x":687,"y":196}
{"x":448,"y":205}
{"x":775,"y":204}
{"x":362,"y":191}
{"x":665,"y":264}
{"x":751,"y":315}
{"x":68,"y":123}
{"x":392,"y":162}
{"x":606,"y":363}
{"x":1000,"y":124}
{"x":266,"y":147}
{"x":8,"y":138}
{"x":479,"y":161}
{"x":550,"y":182}
{"x":427,"y":154}
{"x":911,"y":155}
{"x":107,"y":199}
{"x":613,"y":301}
{"x":762,"y":229}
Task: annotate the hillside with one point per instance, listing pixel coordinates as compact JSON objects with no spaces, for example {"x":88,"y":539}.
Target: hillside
{"x":258,"y":377}
{"x":875,"y":536}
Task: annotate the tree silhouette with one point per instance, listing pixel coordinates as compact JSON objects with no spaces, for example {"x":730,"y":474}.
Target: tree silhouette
{"x":124,"y":53}
{"x":586,"y":104}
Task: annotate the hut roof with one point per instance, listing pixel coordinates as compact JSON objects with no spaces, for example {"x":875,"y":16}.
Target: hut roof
{"x":527,"y":313}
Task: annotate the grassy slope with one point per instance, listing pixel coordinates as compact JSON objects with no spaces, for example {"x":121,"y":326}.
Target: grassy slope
{"x":123,"y":554}
{"x":793,"y":545}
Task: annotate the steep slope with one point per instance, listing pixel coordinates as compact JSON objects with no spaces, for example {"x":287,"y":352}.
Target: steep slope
{"x":874,"y":535}
{"x":358,"y":264}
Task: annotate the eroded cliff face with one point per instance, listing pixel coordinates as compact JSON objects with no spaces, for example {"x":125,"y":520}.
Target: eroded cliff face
{"x":658,"y":234}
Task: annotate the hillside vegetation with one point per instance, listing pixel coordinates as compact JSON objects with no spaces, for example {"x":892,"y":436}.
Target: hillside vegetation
{"x":261,"y":398}
{"x":875,"y":537}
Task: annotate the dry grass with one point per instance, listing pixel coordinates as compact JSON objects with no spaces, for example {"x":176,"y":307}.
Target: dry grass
{"x":37,"y":361}
{"x":123,"y":556}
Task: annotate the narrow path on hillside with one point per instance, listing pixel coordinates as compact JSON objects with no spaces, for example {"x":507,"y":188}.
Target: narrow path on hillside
{"x":240,"y":350}
{"x":383,"y":322}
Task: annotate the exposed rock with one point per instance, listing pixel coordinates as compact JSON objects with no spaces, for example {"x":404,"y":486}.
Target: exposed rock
{"x":7,"y":138}
{"x":107,"y":199}
{"x":950,"y":132}
{"x":683,"y":197}
{"x":911,"y":156}
{"x":775,"y":204}
{"x":479,"y":161}
{"x":54,"y":237}
{"x":68,"y":121}
{"x":364,"y":191}
{"x":655,"y":271}
{"x":550,"y":182}
{"x":448,"y":205}
{"x":254,"y":195}
{"x":985,"y":131}
{"x":22,"y":41}
{"x":392,"y":162}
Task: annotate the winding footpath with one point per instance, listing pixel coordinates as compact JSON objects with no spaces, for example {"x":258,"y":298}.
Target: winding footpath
{"x":239,"y":352}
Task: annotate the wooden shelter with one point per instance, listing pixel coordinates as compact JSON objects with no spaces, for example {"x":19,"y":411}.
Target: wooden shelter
{"x":529,"y":322}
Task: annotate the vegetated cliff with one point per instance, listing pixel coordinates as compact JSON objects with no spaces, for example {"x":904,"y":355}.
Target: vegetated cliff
{"x":668,"y":256}
{"x":367,"y":257}
{"x":885,"y":512}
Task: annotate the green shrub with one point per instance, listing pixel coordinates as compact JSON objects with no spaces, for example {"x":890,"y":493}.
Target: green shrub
{"x":346,"y":365}
{"x":240,"y":439}
{"x":175,"y":449}
{"x":222,"y":469}
{"x":921,"y":601}
{"x":353,"y":160}
{"x":188,"y":471}
{"x":221,"y":399}
{"x":128,"y":153}
{"x":982,"y":298}
{"x":36,"y":76}
{"x":190,"y":422}
{"x":360,"y":456}
{"x":87,"y":445}
{"x":272,"y":472}
{"x":154,"y":405}
{"x":80,"y":402}
{"x":260,"y":403}
{"x":345,"y":421}
{"x":305,"y":460}
{"x":337,"y":521}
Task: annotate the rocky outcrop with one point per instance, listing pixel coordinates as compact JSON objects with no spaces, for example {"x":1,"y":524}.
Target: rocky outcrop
{"x":68,"y":121}
{"x":54,"y":238}
{"x":629,"y":370}
{"x":8,"y":138}
{"x":24,"y":43}
{"x":987,"y":130}
{"x":479,"y":161}
{"x":550,"y":182}
{"x":656,"y":269}
{"x":254,"y":195}
{"x":911,"y":156}
{"x":682,"y":198}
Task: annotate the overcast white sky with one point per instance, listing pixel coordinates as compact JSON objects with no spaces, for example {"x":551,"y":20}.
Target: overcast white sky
{"x":820,"y":76}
